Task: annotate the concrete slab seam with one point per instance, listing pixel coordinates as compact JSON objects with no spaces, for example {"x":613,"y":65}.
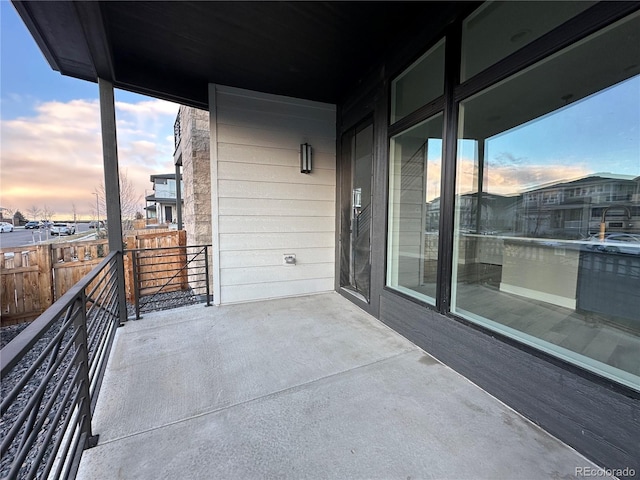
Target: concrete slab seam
{"x":277,"y":393}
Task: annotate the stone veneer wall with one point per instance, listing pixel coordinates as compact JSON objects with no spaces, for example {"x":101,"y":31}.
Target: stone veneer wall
{"x":196,"y":174}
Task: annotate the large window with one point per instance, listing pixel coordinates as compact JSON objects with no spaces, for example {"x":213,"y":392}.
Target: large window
{"x":414,"y":209}
{"x":547,"y":226}
{"x":546,"y":238}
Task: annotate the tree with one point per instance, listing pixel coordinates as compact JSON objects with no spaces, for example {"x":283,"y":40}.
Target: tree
{"x":74,"y":210}
{"x":18,"y":218}
{"x":9,"y":213}
{"x":47,"y":213}
{"x":34,"y":212}
{"x":129,"y":201}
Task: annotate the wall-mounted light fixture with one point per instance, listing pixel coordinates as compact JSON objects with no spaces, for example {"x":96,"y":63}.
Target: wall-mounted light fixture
{"x":305,"y":158}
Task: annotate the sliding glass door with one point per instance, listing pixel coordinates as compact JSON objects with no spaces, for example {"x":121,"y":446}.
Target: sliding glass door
{"x":357,"y":156}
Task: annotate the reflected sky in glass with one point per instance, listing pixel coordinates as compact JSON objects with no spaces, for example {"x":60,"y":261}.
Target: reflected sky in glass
{"x":599,"y":133}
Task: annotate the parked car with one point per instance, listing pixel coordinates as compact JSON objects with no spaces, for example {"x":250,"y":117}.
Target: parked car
{"x":62,"y":229}
{"x":616,"y":243}
{"x":94,"y":224}
{"x":32,"y":225}
{"x":5,"y":227}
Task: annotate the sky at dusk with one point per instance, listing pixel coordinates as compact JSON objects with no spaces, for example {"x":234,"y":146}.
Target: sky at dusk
{"x":50,"y":140}
{"x":596,"y":134}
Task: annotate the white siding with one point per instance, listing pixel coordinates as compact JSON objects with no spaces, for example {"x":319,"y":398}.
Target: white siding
{"x":265,"y":207}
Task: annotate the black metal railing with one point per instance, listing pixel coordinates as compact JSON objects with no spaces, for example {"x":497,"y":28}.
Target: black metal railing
{"x":51,"y":374}
{"x":170,"y":277}
{"x":176,"y":132}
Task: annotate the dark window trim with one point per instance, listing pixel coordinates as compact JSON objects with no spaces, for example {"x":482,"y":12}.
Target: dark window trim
{"x":446,"y":105}
{"x":430,"y":114}
{"x":406,"y":296}
{"x":449,"y":167}
{"x":581,"y":26}
{"x":395,"y":68}
{"x":380,"y":205}
{"x":417,"y":116}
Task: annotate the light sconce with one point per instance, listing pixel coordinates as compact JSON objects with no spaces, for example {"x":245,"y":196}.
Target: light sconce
{"x":305,"y":158}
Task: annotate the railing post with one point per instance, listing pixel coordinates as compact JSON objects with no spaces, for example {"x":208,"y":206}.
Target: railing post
{"x":122,"y":289}
{"x":84,"y":396}
{"x":206,"y":272}
{"x":136,"y":283}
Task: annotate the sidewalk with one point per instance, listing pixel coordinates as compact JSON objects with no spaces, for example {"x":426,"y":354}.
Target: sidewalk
{"x":302,"y":388}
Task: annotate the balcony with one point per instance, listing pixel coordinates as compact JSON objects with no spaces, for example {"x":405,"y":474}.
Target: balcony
{"x":176,"y":133}
{"x":307,"y":387}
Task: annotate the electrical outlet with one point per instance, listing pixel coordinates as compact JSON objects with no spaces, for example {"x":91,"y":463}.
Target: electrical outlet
{"x":289,"y":259}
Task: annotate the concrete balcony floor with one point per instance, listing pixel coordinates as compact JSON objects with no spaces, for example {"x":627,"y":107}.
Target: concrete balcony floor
{"x":300,"y":388}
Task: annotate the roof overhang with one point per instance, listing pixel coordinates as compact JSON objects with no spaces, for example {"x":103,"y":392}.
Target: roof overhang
{"x":172,"y":50}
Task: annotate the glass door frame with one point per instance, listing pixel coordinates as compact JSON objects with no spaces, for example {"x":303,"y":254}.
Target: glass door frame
{"x":346,"y":172}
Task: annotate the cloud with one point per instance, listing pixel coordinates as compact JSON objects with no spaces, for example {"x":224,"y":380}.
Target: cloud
{"x":512,"y":175}
{"x":53,"y":157}
{"x":509,"y":175}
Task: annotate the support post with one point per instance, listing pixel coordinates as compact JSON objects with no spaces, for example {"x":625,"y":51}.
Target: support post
{"x":112,"y":185}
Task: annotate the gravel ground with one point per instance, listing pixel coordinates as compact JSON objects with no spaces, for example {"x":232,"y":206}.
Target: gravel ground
{"x":164,"y":301}
{"x":9,"y":332}
{"x":10,"y":417}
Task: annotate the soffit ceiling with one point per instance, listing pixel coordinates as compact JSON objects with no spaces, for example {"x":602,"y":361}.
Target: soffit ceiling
{"x":172,"y":50}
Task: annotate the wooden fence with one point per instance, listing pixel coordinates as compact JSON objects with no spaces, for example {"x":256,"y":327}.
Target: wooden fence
{"x":33,"y":277}
{"x":155,"y":271}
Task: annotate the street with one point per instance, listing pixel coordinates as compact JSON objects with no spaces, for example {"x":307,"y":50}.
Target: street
{"x":20,"y":236}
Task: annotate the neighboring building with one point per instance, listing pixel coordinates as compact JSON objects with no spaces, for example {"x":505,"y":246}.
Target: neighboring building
{"x":416,"y":114}
{"x":162,"y":204}
{"x":2,"y":215}
{"x":497,"y":213}
{"x":191,"y":132}
{"x":574,"y":209}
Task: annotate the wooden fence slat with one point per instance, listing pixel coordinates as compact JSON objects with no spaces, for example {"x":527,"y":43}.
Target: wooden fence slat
{"x":7,"y":295}
{"x":30,"y":287}
{"x":45,"y":276}
{"x":27,"y":285}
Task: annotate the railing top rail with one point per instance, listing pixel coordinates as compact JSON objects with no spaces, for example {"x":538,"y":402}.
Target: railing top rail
{"x":81,"y":243}
{"x":165,"y":248}
{"x":18,"y":249}
{"x":16,"y":348}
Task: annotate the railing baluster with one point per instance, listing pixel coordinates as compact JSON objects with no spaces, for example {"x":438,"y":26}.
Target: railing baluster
{"x":169,"y":276}
{"x":136,"y":283}
{"x":84,"y":399}
{"x":206,"y":274}
{"x":54,"y":425}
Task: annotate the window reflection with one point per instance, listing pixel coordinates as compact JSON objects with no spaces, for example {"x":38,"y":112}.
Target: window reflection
{"x":497,"y":29}
{"x":419,"y":84}
{"x":547,"y":238}
{"x":414,"y":206}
